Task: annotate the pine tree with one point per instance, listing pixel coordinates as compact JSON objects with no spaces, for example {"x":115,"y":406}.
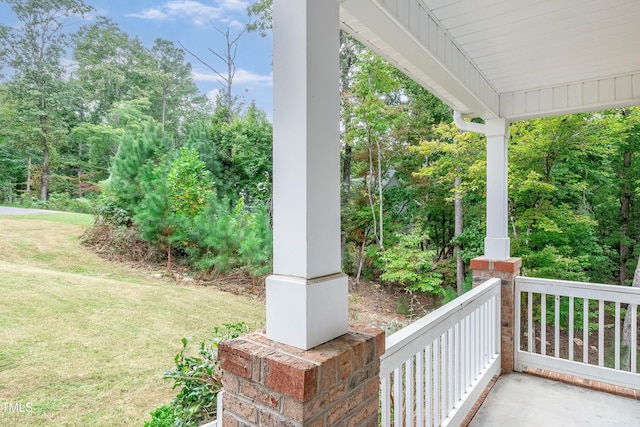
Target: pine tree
{"x":138,"y":155}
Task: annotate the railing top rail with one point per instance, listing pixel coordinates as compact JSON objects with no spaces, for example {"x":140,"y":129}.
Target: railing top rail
{"x":613,"y":293}
{"x":438,"y":320}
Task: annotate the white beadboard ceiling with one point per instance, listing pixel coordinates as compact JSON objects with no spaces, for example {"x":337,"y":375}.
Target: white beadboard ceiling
{"x":509,"y":58}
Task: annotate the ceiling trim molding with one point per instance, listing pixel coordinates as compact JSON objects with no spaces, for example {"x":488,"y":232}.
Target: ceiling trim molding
{"x":408,"y":36}
{"x":576,"y":97}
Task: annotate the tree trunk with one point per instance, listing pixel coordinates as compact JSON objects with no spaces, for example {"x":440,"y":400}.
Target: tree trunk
{"x":370,"y":194}
{"x":457,"y":231}
{"x":625,"y":202}
{"x":80,"y":190}
{"x":380,"y":204}
{"x":44,"y":181}
{"x":164,"y":105}
{"x":361,"y":260}
{"x":346,"y":192}
{"x":29,"y":177}
{"x":625,"y":346}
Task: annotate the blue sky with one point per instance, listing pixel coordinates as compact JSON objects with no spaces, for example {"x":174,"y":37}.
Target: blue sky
{"x":192,"y":23}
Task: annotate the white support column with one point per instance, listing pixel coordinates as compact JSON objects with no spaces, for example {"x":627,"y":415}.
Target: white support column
{"x":307,"y":296}
{"x":496,"y":243}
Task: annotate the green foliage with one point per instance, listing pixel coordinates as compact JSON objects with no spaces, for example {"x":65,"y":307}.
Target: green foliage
{"x":154,"y":215}
{"x":190,"y":183}
{"x":406,"y":263}
{"x":64,"y":202}
{"x":199,"y":378}
{"x":222,"y":239}
{"x":261,"y":10}
{"x":138,"y":157}
{"x":164,"y":416}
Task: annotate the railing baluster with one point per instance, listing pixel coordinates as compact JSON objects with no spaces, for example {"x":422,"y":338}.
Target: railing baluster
{"x":530,"y":330}
{"x":437,"y":386}
{"x":452,"y":372}
{"x":429,"y":385}
{"x":571,"y":322}
{"x":556,"y":337}
{"x":458,"y":363}
{"x":408,"y":392}
{"x":617,"y":342}
{"x":601,"y":333}
{"x":492,"y":327}
{"x":485,"y":332}
{"x":585,"y":330}
{"x":543,"y":324}
{"x":477,"y":346}
{"x":386,"y":402}
{"x":483,"y":335}
{"x":420,"y":403}
{"x":469,"y":355}
{"x":497,"y":301}
{"x":634,"y":336}
{"x":219,"y":408}
{"x":397,"y":397}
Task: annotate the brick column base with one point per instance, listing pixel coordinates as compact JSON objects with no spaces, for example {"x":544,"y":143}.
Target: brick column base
{"x":267,"y":383}
{"x":507,"y":270}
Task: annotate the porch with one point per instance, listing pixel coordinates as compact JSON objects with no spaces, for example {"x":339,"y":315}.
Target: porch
{"x":502,"y":61}
{"x":444,"y":369}
{"x":460,"y":365}
{"x":525,"y":400}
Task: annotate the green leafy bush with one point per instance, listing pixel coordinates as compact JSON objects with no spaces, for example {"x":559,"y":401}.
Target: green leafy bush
{"x":164,"y":416}
{"x":199,"y":378}
{"x":406,"y":263}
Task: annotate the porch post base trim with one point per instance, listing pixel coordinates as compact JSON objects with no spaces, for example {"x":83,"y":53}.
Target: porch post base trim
{"x":497,"y":248}
{"x":305,"y":313}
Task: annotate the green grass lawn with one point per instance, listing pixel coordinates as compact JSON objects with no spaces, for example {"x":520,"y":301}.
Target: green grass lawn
{"x":84,"y":342}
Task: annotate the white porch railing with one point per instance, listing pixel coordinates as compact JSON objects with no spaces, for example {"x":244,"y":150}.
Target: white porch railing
{"x":435,"y":369}
{"x":576,"y":328}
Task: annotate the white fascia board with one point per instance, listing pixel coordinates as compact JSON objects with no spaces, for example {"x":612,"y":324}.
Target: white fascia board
{"x":574,"y":97}
{"x":424,"y":51}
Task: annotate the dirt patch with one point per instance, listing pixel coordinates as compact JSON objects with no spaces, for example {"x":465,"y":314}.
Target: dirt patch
{"x":388,"y":307}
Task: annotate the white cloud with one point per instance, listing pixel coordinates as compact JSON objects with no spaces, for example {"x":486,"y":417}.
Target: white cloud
{"x":212,"y":95}
{"x":205,"y":77}
{"x":249,"y":78}
{"x":198,"y":13}
{"x":242,"y":77}
{"x":238,"y":5}
{"x":152,"y":14}
{"x":236,"y":25}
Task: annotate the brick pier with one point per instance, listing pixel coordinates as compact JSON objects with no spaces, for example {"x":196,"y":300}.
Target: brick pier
{"x":507,"y":270}
{"x":267,"y":383}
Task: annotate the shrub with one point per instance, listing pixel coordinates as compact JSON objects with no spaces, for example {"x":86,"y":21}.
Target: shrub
{"x":163,"y":416}
{"x":199,"y":378}
{"x":406,"y":263}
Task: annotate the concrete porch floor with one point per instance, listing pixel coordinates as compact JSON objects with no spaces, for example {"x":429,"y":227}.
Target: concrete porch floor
{"x":524,"y":400}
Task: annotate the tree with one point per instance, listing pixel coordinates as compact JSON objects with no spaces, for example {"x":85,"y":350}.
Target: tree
{"x":137,"y":161}
{"x":34,"y":53}
{"x":112,"y":67}
{"x":174,"y":91}
{"x":226,"y":103}
{"x":261,"y":9}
